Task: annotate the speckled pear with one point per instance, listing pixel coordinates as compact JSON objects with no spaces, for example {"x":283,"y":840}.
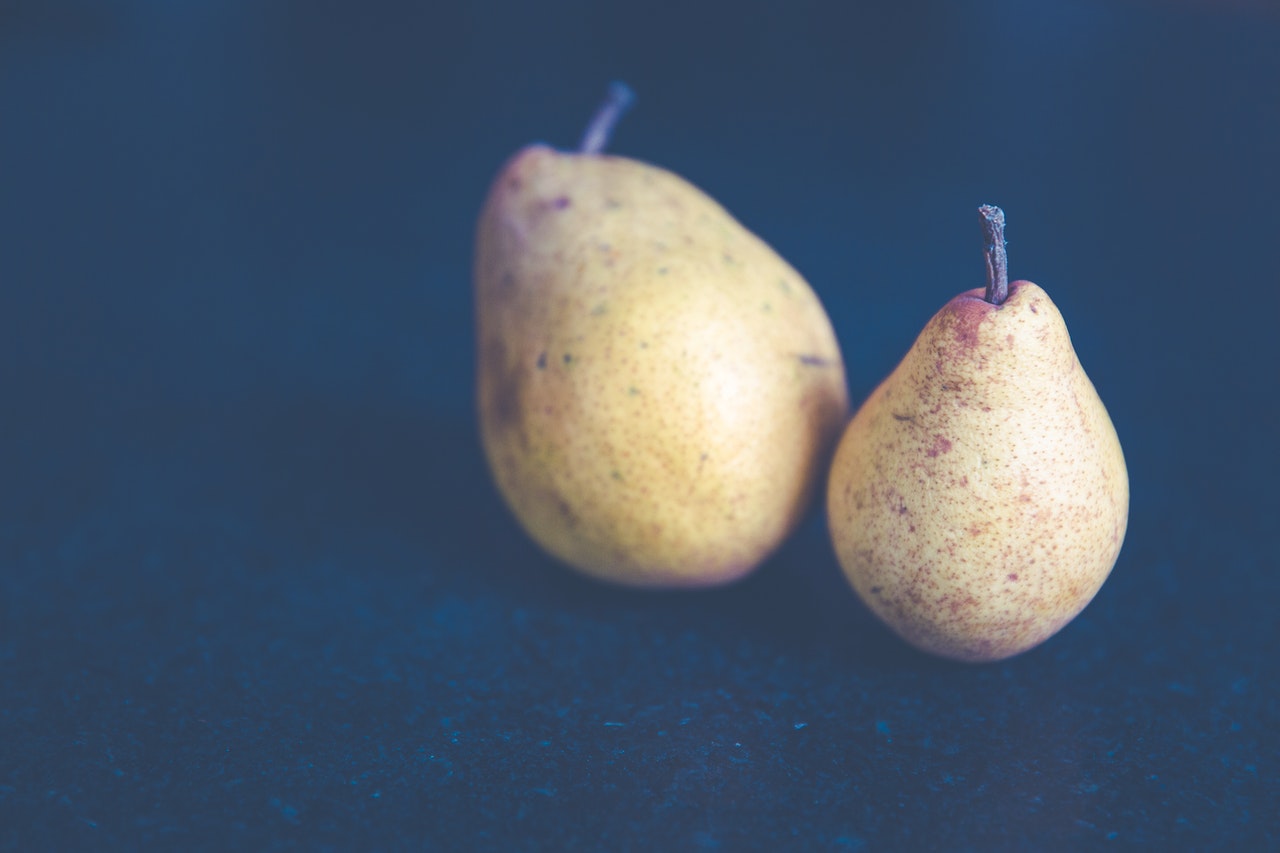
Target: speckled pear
{"x":979,"y":498}
{"x":659,"y":391}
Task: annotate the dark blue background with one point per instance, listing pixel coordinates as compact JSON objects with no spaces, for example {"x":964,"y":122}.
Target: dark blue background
{"x":257,"y":591}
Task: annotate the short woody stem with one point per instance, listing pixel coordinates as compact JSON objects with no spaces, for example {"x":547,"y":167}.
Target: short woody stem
{"x":994,"y":251}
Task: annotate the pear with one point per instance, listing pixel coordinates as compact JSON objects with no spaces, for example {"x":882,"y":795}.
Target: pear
{"x":978,"y":499}
{"x":659,"y":392}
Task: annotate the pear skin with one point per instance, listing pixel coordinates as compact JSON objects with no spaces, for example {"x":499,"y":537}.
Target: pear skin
{"x":659,"y":391}
{"x":979,"y":498}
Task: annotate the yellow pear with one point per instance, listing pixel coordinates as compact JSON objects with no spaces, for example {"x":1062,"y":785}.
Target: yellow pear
{"x":978,"y":499}
{"x":659,"y":391}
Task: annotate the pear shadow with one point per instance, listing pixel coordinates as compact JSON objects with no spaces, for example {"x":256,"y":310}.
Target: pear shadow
{"x":323,"y":470}
{"x":800,"y":602}
{"x":329,"y":473}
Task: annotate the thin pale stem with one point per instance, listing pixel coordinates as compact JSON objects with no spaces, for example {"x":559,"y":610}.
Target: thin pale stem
{"x":606,"y":118}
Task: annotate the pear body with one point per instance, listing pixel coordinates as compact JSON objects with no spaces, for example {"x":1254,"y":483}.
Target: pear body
{"x":658,"y":390}
{"x":979,"y":498}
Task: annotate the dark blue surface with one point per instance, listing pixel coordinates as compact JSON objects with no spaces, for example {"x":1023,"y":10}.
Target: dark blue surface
{"x":257,"y":591}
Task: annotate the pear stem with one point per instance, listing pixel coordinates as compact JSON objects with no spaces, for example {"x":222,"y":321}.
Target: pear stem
{"x":994,"y":251}
{"x":606,"y":118}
